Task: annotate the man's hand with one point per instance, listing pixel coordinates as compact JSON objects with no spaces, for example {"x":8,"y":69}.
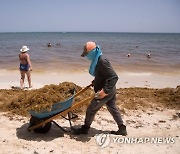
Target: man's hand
{"x":100,"y":94}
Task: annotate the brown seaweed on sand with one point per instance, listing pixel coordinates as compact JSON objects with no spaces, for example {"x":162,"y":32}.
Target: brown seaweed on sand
{"x":20,"y":102}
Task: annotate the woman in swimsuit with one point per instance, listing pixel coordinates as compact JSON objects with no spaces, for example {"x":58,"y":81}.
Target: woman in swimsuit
{"x":25,"y":66}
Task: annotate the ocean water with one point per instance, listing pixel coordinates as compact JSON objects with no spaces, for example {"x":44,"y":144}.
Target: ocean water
{"x":64,"y":54}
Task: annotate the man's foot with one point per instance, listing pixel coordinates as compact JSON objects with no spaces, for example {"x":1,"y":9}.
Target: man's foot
{"x":83,"y":130}
{"x":122,"y":131}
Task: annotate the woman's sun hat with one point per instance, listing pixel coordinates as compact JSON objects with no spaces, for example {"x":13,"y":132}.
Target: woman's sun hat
{"x":88,"y":47}
{"x":24,"y":49}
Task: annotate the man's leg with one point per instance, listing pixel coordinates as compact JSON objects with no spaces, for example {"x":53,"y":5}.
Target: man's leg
{"x":90,"y":113}
{"x":92,"y":110}
{"x":112,"y":108}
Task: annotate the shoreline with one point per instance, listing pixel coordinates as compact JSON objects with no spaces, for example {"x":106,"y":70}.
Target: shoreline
{"x":11,"y":78}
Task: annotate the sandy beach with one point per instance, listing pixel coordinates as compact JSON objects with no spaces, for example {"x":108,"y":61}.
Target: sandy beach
{"x":161,"y":125}
{"x":151,"y":115}
{"x":82,"y":78}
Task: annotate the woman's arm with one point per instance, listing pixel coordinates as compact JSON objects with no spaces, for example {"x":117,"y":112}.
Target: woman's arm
{"x":29,"y":62}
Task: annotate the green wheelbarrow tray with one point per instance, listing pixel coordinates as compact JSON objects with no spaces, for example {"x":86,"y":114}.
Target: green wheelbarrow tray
{"x":41,"y":122}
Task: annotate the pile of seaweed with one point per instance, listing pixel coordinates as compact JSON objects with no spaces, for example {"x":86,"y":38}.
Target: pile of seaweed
{"x":148,"y":98}
{"x":20,"y":102}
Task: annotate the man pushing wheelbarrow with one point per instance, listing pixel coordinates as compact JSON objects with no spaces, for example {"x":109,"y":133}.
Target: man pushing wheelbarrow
{"x":104,"y":83}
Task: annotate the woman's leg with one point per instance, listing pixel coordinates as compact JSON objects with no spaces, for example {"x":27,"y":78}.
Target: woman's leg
{"x":22,"y":79}
{"x":29,"y":78}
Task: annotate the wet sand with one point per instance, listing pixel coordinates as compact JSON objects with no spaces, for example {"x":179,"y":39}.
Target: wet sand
{"x":82,"y":78}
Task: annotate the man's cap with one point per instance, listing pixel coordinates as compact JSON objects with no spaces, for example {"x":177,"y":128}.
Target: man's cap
{"x":88,"y":47}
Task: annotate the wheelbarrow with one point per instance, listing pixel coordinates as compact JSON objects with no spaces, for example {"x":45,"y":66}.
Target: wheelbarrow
{"x":41,"y":122}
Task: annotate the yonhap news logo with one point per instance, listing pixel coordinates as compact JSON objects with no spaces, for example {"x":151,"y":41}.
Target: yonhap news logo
{"x":104,"y":140}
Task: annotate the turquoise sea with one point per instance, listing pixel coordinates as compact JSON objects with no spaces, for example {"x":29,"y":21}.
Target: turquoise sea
{"x":64,"y":54}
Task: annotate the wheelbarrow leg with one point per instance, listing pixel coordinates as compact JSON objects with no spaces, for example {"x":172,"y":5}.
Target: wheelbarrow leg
{"x":69,"y":118}
{"x":71,"y":115}
{"x":59,"y":126}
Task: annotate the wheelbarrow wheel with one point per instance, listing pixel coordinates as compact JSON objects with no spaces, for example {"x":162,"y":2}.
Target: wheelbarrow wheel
{"x":42,"y":129}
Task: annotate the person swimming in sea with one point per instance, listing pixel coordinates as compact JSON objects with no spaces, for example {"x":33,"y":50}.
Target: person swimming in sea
{"x":128,"y":55}
{"x":49,"y":45}
{"x":25,"y":66}
{"x":148,"y":55}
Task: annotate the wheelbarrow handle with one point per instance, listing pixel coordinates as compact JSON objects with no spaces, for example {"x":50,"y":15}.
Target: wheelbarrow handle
{"x":83,"y":90}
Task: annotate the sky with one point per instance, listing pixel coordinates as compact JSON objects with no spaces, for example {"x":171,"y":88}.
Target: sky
{"x":90,"y":16}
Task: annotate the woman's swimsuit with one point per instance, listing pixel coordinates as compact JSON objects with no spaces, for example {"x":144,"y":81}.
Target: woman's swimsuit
{"x":24,"y":67}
